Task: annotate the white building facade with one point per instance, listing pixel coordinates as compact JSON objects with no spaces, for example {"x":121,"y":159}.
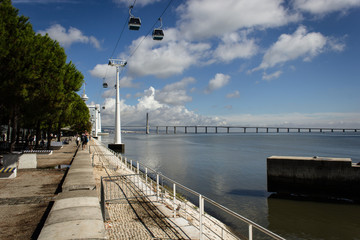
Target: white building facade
{"x":95,"y":119}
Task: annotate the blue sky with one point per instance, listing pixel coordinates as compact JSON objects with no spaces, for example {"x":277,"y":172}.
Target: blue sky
{"x":233,"y":62}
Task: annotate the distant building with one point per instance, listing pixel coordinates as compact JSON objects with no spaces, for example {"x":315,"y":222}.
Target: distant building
{"x":95,"y":116}
{"x":95,"y":119}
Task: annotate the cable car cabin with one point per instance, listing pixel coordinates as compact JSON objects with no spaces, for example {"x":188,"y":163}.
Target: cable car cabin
{"x":134,"y":23}
{"x":158,"y":34}
{"x":105,"y":85}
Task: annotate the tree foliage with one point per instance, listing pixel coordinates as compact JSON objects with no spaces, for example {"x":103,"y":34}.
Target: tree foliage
{"x":37,"y":87}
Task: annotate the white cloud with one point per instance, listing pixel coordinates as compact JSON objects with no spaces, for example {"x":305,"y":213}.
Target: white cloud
{"x":271,"y":76}
{"x":325,"y":6}
{"x":300,"y":44}
{"x":44,"y":1}
{"x":230,"y":16}
{"x":160,"y":114}
{"x":102,"y":71}
{"x":235,"y":94}
{"x":217,"y":82}
{"x":140,"y":3}
{"x":166,"y":58}
{"x":335,"y":120}
{"x":235,"y":46}
{"x":175,"y":93}
{"x":73,"y":35}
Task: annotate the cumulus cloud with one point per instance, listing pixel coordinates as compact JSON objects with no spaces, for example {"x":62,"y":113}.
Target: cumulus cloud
{"x":217,"y":82}
{"x":230,"y":16}
{"x":325,"y":6}
{"x":327,"y":119}
{"x":175,"y":93}
{"x":300,"y":44}
{"x":271,"y":76}
{"x":234,"y":46}
{"x":108,"y":74}
{"x":172,"y":56}
{"x":67,"y":38}
{"x":141,"y":3}
{"x":235,"y":94}
{"x":44,"y":1}
{"x":160,"y":113}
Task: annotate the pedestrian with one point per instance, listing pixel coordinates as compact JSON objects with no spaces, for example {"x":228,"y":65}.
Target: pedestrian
{"x":78,"y":139}
{"x":84,"y":140}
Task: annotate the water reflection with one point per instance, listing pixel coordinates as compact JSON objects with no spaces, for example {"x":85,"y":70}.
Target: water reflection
{"x":295,"y":219}
{"x":231,"y":169}
{"x":249,"y":192}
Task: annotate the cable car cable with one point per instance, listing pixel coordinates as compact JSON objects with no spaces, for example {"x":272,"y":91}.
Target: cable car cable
{"x":133,"y":52}
{"x":117,"y":43}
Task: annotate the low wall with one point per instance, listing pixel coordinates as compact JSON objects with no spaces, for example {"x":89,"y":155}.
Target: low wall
{"x":76,"y":213}
{"x":318,"y":176}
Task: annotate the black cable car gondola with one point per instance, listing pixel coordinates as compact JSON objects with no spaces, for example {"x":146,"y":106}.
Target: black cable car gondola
{"x":105,"y":85}
{"x":134,"y":22}
{"x":158,"y":33}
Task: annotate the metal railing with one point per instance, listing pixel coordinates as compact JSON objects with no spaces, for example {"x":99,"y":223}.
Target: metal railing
{"x":151,"y":183}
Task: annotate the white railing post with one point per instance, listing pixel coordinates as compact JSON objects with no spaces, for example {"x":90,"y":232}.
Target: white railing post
{"x":137,"y":166}
{"x":157,"y":187}
{"x":174,"y":204}
{"x":131,"y":166}
{"x":201,"y":210}
{"x":250,"y":232}
{"x":146,"y":173}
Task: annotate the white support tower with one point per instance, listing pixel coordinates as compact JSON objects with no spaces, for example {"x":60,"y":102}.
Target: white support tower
{"x":118,"y":145}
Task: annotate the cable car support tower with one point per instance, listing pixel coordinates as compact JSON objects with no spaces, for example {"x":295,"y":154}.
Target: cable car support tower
{"x":118,"y":146}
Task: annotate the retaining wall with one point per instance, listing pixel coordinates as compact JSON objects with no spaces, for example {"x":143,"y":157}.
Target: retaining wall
{"x":76,"y":212}
{"x":335,"y":177}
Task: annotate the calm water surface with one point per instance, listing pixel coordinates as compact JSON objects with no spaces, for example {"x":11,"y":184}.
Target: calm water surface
{"x":231,"y":169}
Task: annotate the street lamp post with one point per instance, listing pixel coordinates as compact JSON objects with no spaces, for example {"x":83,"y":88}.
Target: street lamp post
{"x":118,"y":146}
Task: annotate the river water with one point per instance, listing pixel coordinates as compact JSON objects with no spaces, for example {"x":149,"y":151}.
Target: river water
{"x":231,"y":169}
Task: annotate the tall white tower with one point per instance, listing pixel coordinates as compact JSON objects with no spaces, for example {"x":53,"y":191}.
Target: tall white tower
{"x":84,"y":97}
{"x":118,"y":146}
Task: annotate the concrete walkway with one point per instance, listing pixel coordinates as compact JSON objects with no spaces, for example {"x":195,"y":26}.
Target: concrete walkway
{"x":76,"y":212}
{"x":142,"y":218}
{"x":26,"y":200}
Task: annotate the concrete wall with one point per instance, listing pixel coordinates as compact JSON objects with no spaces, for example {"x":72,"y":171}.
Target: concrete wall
{"x":336,"y":177}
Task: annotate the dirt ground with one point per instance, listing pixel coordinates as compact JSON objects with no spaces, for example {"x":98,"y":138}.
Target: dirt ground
{"x":26,"y":200}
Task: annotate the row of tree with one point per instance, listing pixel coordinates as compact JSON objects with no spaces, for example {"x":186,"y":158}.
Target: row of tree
{"x":37,"y":86}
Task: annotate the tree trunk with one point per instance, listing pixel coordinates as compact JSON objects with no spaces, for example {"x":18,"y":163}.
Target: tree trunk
{"x":38,"y":134}
{"x":59,"y":132}
{"x":49,"y":137}
{"x":13,"y":129}
{"x":8,"y":131}
{"x":18,"y":134}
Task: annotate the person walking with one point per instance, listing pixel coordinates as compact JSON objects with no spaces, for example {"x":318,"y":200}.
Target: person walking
{"x":84,"y":140}
{"x":78,"y":139}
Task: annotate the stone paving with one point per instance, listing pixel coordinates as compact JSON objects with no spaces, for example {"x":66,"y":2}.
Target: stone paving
{"x":133,"y":219}
{"x":26,"y":199}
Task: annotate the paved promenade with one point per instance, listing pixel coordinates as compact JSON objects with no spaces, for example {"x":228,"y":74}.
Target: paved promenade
{"x":137,"y":219}
{"x":26,"y":200}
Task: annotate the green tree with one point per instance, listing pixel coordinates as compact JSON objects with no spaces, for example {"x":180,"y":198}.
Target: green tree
{"x":37,"y":86}
{"x":16,"y":37}
{"x":72,"y":80}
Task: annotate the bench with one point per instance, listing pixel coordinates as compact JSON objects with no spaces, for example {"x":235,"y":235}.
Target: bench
{"x":7,"y":170}
{"x":38,"y":151}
